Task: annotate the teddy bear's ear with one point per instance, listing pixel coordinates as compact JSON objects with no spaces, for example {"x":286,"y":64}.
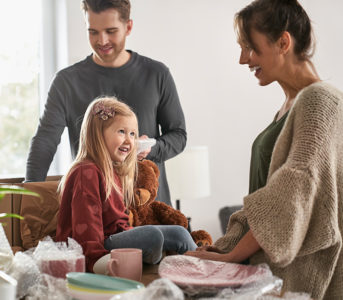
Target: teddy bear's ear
{"x":153,"y":166}
{"x":142,"y":196}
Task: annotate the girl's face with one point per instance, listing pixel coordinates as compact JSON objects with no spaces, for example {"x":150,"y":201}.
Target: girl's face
{"x":120,"y":137}
{"x":265,"y":64}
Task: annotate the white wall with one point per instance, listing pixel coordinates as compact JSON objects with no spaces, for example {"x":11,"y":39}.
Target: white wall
{"x":224,"y":106}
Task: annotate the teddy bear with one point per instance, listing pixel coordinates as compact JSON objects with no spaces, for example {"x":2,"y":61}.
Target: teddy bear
{"x":146,"y":211}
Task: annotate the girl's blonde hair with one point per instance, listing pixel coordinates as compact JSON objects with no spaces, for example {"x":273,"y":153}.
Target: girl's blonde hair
{"x":92,"y":147}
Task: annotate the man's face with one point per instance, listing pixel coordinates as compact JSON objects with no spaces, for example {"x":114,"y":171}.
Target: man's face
{"x":107,"y":34}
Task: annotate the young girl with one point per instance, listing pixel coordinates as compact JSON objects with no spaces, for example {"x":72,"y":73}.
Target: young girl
{"x":98,"y":188}
{"x":293,"y":217}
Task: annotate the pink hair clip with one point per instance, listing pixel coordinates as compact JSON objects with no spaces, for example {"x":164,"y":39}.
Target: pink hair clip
{"x":102,"y":111}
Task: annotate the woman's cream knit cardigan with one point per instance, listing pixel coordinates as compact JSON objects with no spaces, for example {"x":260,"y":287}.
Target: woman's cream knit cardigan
{"x":297,"y":218}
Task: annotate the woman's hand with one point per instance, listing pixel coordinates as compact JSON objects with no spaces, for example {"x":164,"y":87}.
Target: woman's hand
{"x":210,"y":255}
{"x":210,"y":249}
{"x":246,"y":247}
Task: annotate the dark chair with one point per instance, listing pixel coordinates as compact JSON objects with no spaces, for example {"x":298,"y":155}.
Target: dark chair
{"x":225,"y":214}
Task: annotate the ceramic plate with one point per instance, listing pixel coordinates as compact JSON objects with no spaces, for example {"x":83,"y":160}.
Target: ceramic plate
{"x":191,"y":271}
{"x":81,"y":293}
{"x":102,"y":283}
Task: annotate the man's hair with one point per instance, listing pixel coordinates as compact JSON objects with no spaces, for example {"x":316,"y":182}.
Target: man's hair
{"x":98,"y":6}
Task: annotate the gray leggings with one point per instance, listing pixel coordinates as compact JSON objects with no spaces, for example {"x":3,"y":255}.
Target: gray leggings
{"x":153,"y":240}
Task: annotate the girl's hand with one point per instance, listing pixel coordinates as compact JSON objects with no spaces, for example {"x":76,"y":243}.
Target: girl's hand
{"x":208,"y":255}
{"x":143,"y":154}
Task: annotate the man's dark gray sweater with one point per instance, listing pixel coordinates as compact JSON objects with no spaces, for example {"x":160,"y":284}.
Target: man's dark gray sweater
{"x":144,"y":84}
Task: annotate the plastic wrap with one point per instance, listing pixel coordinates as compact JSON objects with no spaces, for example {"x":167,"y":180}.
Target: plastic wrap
{"x":219,"y":280}
{"x":159,"y":289}
{"x":6,"y":253}
{"x":198,"y":277}
{"x":58,"y":259}
{"x":6,"y":259}
{"x":252,"y":291}
{"x":288,"y":296}
{"x":48,"y":287}
{"x":26,"y":268}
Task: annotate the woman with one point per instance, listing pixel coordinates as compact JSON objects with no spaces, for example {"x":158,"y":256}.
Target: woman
{"x":292,"y":218}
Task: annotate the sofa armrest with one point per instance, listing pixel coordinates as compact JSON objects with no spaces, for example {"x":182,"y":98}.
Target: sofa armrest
{"x":6,"y":207}
{"x":40,"y":214}
{"x":12,"y":204}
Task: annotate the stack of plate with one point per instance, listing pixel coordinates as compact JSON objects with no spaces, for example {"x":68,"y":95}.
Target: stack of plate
{"x":88,"y":286}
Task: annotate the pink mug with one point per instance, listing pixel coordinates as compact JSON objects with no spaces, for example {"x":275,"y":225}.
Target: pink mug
{"x":126,"y":263}
{"x":60,"y":267}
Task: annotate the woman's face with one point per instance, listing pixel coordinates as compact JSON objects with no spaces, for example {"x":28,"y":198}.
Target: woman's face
{"x":266,"y":63}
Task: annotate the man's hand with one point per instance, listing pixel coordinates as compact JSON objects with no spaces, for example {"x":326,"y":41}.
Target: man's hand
{"x":143,"y":154}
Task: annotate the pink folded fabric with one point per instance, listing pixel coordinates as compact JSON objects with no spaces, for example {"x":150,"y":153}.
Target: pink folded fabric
{"x":191,"y":271}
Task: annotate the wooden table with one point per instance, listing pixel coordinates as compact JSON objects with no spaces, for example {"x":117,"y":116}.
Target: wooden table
{"x":150,"y":273}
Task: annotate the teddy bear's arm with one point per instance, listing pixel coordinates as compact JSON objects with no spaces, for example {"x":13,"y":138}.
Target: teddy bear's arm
{"x":134,"y":218}
{"x":167,"y":215}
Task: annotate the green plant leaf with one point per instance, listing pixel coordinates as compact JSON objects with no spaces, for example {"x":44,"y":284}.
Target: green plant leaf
{"x":14,"y":189}
{"x":5,"y":215}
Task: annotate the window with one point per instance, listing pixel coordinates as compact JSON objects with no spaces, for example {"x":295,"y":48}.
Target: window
{"x":33,"y":48}
{"x":19,"y":82}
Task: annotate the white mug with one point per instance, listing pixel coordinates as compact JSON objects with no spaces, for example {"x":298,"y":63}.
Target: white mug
{"x":8,"y":286}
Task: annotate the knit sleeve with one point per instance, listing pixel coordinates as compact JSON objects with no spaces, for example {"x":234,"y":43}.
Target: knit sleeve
{"x":236,"y":229}
{"x":282,"y":215}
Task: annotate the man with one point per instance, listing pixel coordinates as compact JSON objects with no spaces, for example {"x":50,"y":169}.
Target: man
{"x":144,"y":84}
